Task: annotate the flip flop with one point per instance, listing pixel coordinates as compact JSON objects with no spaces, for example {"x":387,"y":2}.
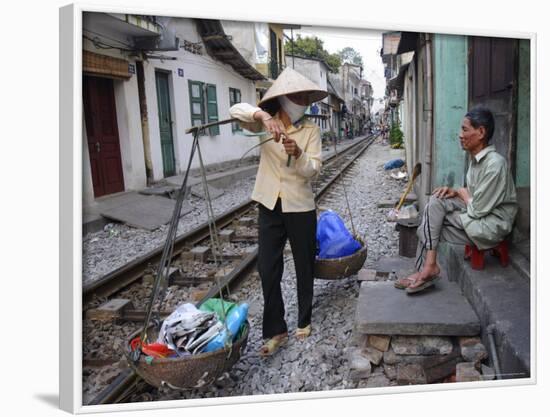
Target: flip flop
{"x":426,"y":284}
{"x":401,"y":286}
{"x":273,"y":344}
{"x":303,"y":332}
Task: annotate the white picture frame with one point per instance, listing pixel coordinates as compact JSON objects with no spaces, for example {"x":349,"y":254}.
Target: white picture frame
{"x":70,"y":206}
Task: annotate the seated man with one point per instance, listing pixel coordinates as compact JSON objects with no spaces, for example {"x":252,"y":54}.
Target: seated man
{"x":482,"y":213}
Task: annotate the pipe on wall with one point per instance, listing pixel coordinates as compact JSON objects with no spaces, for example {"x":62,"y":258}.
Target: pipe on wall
{"x":144,"y":123}
{"x":428,"y":111}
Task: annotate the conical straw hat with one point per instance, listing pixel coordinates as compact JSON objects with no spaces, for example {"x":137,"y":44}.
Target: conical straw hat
{"x":291,"y":81}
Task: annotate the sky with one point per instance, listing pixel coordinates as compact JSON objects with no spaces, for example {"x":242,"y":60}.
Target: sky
{"x":367,"y":42}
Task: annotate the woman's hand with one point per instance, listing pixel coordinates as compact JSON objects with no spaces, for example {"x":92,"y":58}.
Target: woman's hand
{"x":291,"y":148}
{"x":275,"y":127}
{"x":444,"y":192}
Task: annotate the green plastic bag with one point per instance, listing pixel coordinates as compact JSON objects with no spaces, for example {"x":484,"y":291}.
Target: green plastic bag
{"x":215,"y":305}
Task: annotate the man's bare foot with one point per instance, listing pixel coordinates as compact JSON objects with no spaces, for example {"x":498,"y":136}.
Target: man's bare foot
{"x":428,"y":273}
{"x":405,"y":282}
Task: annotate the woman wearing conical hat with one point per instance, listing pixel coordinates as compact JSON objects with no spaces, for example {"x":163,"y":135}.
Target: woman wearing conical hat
{"x":286,"y":201}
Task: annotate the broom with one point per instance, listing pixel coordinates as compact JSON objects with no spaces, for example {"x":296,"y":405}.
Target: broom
{"x":416,"y":172}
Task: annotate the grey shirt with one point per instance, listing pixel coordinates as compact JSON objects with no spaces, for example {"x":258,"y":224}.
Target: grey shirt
{"x":491,"y":211}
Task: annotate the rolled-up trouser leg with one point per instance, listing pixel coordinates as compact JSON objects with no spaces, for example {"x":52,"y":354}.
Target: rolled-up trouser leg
{"x":440,"y":222}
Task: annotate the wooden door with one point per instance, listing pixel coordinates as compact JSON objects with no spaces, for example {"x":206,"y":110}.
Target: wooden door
{"x":165,"y":124}
{"x":102,"y":131}
{"x":493,"y":83}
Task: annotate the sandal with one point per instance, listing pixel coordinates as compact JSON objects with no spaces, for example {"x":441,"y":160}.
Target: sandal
{"x":400,"y":284}
{"x":271,"y":346}
{"x":426,"y":284}
{"x":303,"y":332}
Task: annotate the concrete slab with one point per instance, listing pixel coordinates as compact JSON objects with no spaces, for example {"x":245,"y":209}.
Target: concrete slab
{"x":136,"y":210}
{"x":177,"y":181}
{"x":169,"y":191}
{"x":440,"y":311}
{"x":198,"y":191}
{"x":218,"y":179}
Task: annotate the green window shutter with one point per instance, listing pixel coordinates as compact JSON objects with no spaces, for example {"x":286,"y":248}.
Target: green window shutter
{"x":212,"y":108}
{"x":234,"y":98}
{"x":196,"y":102}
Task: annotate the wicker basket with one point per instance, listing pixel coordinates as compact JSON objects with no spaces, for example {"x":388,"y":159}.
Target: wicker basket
{"x":337,"y":268}
{"x":189,"y":372}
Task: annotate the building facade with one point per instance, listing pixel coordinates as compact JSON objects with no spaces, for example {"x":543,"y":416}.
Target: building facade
{"x":145,"y":81}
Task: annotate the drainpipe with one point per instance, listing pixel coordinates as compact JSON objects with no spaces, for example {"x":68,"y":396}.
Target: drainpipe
{"x":429,"y":112}
{"x":144,"y":122}
{"x":492,"y":346}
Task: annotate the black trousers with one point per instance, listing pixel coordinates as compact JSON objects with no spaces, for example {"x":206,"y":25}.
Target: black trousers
{"x":300,"y":229}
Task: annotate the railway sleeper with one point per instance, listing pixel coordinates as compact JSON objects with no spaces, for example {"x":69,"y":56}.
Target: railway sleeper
{"x":118,"y":309}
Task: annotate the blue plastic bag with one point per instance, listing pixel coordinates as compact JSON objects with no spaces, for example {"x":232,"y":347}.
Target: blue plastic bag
{"x":333,"y":239}
{"x":234,"y":321}
{"x":394,"y":163}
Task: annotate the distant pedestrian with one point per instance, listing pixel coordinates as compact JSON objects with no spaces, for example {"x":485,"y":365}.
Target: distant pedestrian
{"x":287,"y":206}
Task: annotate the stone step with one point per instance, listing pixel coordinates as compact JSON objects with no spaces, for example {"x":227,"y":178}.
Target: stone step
{"x":438,"y":311}
{"x":500,"y":296}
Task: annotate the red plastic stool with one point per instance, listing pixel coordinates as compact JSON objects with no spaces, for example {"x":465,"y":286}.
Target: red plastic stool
{"x":477,"y":256}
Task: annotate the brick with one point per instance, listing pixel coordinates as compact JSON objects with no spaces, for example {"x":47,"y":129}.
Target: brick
{"x":359,"y":365}
{"x":112,"y":309}
{"x":391,"y":358}
{"x":410,"y":374}
{"x":373,"y":355}
{"x":197,"y":295}
{"x":376,"y":381}
{"x":464,"y":341}
{"x":200,"y":253}
{"x":467,"y":372}
{"x":379,"y":342}
{"x":366,"y":275}
{"x":390,"y":371}
{"x":358,"y":339}
{"x":474,"y":353}
{"x":422,"y":345}
{"x":227,"y":235}
{"x":438,"y":367}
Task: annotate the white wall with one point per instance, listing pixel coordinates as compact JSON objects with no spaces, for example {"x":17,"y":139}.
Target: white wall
{"x":243,"y":37}
{"x":129,"y":131}
{"x":223,"y":147}
{"x":312,"y":69}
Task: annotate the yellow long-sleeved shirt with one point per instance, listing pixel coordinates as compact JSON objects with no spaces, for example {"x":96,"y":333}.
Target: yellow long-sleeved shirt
{"x":274,"y":178}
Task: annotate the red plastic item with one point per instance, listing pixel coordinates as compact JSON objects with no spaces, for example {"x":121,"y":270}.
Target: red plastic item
{"x":477,"y":256}
{"x":156,"y":350}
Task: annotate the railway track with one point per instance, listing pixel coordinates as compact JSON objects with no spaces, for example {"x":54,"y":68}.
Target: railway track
{"x":234,"y":266}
